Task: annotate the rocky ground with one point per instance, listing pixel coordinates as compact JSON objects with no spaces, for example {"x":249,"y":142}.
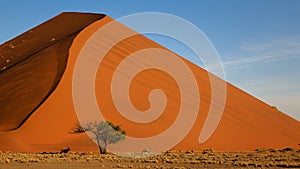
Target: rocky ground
{"x":262,"y":158}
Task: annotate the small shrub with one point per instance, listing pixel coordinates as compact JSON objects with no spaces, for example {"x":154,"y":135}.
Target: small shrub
{"x":288,"y":149}
{"x":261,"y":150}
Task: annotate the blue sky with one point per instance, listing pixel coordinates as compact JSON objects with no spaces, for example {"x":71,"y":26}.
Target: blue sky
{"x":258,"y":40}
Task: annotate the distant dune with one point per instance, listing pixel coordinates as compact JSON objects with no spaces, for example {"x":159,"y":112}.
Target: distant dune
{"x":37,"y":110}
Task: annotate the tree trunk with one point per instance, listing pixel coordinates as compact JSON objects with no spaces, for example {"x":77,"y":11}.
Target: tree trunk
{"x":101,"y":150}
{"x":105,"y":147}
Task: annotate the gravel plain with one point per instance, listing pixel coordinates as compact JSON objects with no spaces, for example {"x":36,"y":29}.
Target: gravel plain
{"x":261,"y":158}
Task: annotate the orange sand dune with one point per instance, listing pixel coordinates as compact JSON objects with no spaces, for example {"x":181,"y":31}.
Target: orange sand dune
{"x":36,"y":94}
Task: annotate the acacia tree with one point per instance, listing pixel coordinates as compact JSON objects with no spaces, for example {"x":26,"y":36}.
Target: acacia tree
{"x":104,"y":133}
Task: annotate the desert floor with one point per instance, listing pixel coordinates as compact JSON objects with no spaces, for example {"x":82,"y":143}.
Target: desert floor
{"x":262,"y":158}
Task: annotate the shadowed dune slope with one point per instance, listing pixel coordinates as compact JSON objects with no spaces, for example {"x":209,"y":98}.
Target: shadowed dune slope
{"x":36,"y":92}
{"x":33,"y":63}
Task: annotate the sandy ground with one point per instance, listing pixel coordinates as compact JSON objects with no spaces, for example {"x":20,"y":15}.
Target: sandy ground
{"x":261,"y":158}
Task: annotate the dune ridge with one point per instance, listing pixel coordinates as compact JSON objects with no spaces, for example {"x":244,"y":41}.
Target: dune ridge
{"x":247,"y":122}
